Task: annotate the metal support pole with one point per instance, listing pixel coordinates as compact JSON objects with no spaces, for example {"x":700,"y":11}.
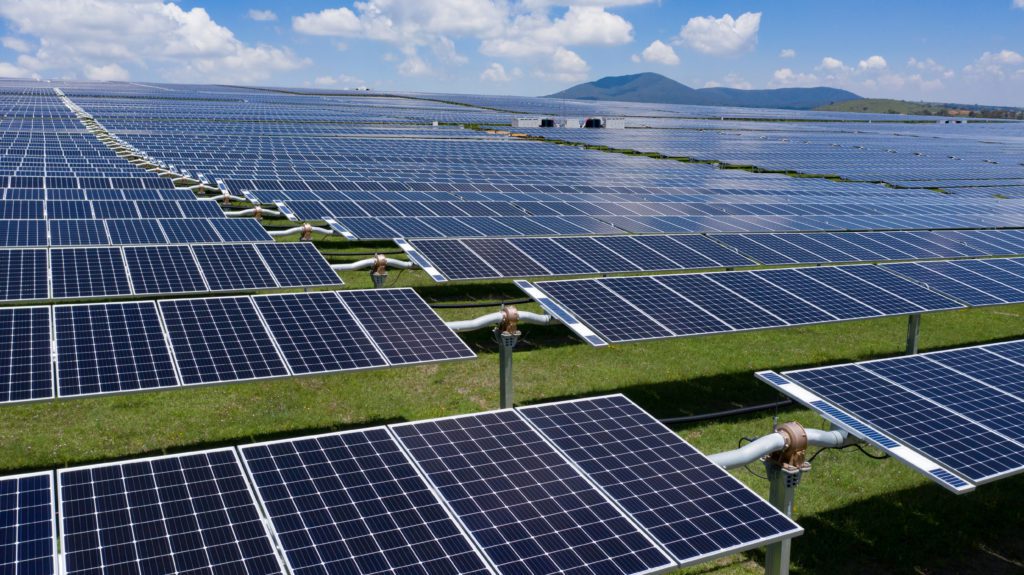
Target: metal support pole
{"x":506,"y":344}
{"x":913,"y":331}
{"x":783,"y":480}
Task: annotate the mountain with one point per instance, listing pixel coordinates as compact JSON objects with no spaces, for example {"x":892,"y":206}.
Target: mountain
{"x":654,"y":88}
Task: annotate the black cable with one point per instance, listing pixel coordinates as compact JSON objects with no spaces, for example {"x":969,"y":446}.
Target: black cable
{"x":480,"y":304}
{"x":336,"y":254}
{"x":857,"y":445}
{"x":739,"y":444}
{"x":719,"y":414}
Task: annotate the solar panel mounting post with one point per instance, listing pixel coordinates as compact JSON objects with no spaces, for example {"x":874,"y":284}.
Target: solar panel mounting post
{"x":784,"y":469}
{"x":913,"y":331}
{"x":506,"y":334}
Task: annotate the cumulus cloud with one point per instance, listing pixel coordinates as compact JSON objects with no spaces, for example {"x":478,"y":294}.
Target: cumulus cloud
{"x":873,"y":63}
{"x":262,"y":15}
{"x":732,"y":80}
{"x":107,"y":73}
{"x":830,"y":63}
{"x":16,"y":44}
{"x":497,"y":73}
{"x":8,"y":70}
{"x":343,"y":81}
{"x":659,"y":53}
{"x":106,"y":38}
{"x":787,"y":53}
{"x":533,"y":34}
{"x":996,"y":65}
{"x":566,"y":66}
{"x":787,"y":78}
{"x":721,"y":36}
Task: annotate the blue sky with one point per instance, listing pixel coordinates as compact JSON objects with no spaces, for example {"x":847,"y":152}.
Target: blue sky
{"x":936,"y":50}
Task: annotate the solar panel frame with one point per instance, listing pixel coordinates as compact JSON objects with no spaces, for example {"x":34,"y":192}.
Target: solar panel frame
{"x":114,"y":361}
{"x":276,"y":254}
{"x":656,"y":468}
{"x":248,"y":272}
{"x":39,"y":560}
{"x":334,"y":503}
{"x":234,"y":351}
{"x":24,"y":274}
{"x":37,"y":358}
{"x":553,"y":463}
{"x":102,"y":267}
{"x":256,"y":524}
{"x":164,"y":270}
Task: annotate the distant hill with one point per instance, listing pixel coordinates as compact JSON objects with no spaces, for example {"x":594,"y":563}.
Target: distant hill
{"x":654,"y":88}
{"x":886,"y":106}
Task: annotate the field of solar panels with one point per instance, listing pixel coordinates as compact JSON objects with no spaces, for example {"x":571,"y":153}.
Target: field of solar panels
{"x":258,"y":331}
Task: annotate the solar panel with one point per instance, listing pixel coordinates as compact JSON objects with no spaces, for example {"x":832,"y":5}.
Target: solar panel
{"x":220,"y":339}
{"x":317,"y":334}
{"x":191,"y":513}
{"x":404,"y":327}
{"x":201,"y":209}
{"x":78,"y":233}
{"x":950,"y":285}
{"x":163,"y":270}
{"x":637,"y":252}
{"x":681,"y":256}
{"x":687,"y":503}
{"x":88,"y":272}
{"x":670,"y":309}
{"x":233,"y":267}
{"x":720,"y":302}
{"x":596,"y":255}
{"x":23,"y":275}
{"x":352,"y":502}
{"x":298,"y":264}
{"x":109,"y":348}
{"x":455,"y":260}
{"x":818,"y":294}
{"x":238,"y":230}
{"x":26,"y":370}
{"x":771,"y":298}
{"x":603,"y":311}
{"x":137,"y":232}
{"x":504,"y":257}
{"x":189,"y":232}
{"x":527,"y":508}
{"x":909,"y":291}
{"x":28,"y":534}
{"x":22,"y":233}
{"x":863,"y":291}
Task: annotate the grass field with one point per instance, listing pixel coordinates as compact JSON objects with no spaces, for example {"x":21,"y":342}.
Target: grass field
{"x":860,"y":515}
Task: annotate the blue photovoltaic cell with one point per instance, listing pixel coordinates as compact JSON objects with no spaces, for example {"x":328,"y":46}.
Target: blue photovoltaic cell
{"x":78,"y":233}
{"x":550,"y":255}
{"x":190,"y":513}
{"x":163,"y":270}
{"x":772,"y":298}
{"x":687,"y":503}
{"x":596,"y":255}
{"x":947,"y":284}
{"x":158,"y":209}
{"x":23,"y":275}
{"x":236,"y":230}
{"x":233,"y":267}
{"x":317,"y":334}
{"x":109,"y":348}
{"x":668,"y":308}
{"x":201,"y":209}
{"x":27,"y":538}
{"x":824,"y":297}
{"x":915,"y":294}
{"x":220,"y":339}
{"x":682,"y":256}
{"x":454,"y":259}
{"x":22,"y":233}
{"x":603,"y":311}
{"x":720,"y":302}
{"x":352,"y":502}
{"x":135,"y":232}
{"x":189,"y":232}
{"x":947,"y":437}
{"x":88,"y":272}
{"x":26,"y":370}
{"x":529,"y":510}
{"x":862,"y":291}
{"x":504,"y":258}
{"x":404,"y":327}
{"x":711,"y":249}
{"x":298,"y":264}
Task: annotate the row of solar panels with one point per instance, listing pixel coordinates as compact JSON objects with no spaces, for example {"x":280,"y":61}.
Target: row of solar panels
{"x":625,"y":309}
{"x":37,"y":233}
{"x":106,"y":209}
{"x":472,"y":258}
{"x":121,"y":347}
{"x":588,"y":487}
{"x":97,"y":194}
{"x":507,"y":226}
{"x":954,"y":415}
{"x":131,"y":179}
{"x":102,"y":272}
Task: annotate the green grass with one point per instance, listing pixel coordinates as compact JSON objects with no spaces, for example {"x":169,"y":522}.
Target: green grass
{"x":860,"y":515}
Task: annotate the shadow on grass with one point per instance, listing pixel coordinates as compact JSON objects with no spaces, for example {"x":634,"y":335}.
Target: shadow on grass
{"x":923,"y":530}
{"x":240,"y":441}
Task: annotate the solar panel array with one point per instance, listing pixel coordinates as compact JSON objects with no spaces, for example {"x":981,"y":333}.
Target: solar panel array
{"x":470,"y":258}
{"x":973,"y":282}
{"x":95,"y":272}
{"x":109,"y":348}
{"x":34,"y":233}
{"x":28,"y":534}
{"x":953,"y":415}
{"x":625,"y":309}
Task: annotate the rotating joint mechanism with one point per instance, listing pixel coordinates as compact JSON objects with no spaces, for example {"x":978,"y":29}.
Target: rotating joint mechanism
{"x":307,"y":232}
{"x":257,"y":212}
{"x":379,"y":270}
{"x":793,"y":455}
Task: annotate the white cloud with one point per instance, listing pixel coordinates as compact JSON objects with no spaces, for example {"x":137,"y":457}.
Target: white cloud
{"x":929,"y":65}
{"x":1018,"y":3}
{"x":413,"y":65}
{"x":328,"y":22}
{"x":995,"y":64}
{"x":732,"y":80}
{"x":830,"y":63}
{"x":179,"y":44}
{"x":721,"y":36}
{"x":107,"y":73}
{"x":342,"y":80}
{"x":786,"y":78}
{"x":262,"y":15}
{"x":497,"y":73}
{"x":566,"y":66}
{"x":533,"y":34}
{"x":787,"y":53}
{"x":873,"y":63}
{"x":8,"y":70}
{"x":659,"y":53}
{"x":16,"y":44}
